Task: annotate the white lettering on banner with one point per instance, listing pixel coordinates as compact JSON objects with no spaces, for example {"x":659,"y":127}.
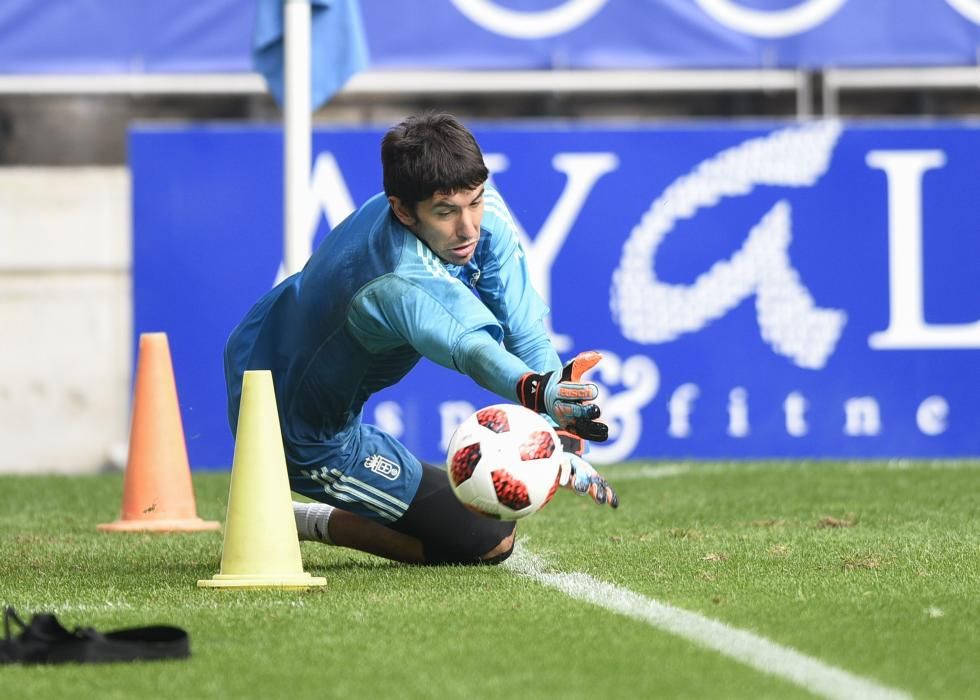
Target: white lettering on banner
{"x":583,"y":170}
{"x":650,"y":311}
{"x":772,"y":23}
{"x":932,"y":414}
{"x":862,"y":416}
{"x":621,"y":411}
{"x":451,"y":415}
{"x":907,"y":328}
{"x":529,"y":24}
{"x":496,"y":163}
{"x":388,"y":417}
{"x":795,"y":407}
{"x":328,"y":194}
{"x":968,"y":8}
{"x":679,"y":407}
{"x":738,"y":412}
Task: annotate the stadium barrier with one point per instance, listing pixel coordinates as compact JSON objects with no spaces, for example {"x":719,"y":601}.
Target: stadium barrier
{"x":66,"y":311}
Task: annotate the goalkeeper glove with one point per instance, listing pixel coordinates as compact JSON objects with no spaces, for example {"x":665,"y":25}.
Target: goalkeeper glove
{"x":572,"y":443}
{"x":582,"y":478}
{"x":564,"y":398}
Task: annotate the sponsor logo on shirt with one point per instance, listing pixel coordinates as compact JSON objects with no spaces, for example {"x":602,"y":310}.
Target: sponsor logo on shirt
{"x":383,"y":467}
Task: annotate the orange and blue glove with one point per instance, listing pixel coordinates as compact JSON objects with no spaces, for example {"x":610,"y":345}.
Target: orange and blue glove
{"x":582,"y":478}
{"x":565,"y":398}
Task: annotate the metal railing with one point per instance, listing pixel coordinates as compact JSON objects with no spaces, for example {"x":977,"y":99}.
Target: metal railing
{"x":380,"y":83}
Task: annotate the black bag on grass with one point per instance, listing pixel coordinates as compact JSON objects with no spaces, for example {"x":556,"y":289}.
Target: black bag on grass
{"x":46,"y":641}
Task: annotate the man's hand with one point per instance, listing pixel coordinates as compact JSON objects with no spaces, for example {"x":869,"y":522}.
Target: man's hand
{"x":582,"y":478}
{"x":565,"y":398}
{"x":572,"y":443}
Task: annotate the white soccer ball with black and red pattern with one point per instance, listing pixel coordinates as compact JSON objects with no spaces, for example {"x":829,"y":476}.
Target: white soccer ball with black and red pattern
{"x":504,"y":462}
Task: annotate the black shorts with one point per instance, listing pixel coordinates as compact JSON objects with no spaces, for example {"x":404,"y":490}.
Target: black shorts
{"x":450,"y":533}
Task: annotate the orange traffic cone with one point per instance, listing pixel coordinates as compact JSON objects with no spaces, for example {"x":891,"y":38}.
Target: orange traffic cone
{"x":157,"y":490}
{"x":261,"y":547}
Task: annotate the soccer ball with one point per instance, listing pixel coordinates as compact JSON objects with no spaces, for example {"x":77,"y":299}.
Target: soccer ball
{"x":504,"y":462}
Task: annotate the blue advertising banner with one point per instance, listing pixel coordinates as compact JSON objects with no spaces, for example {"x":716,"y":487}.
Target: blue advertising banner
{"x":166,"y":36}
{"x":769,"y":290}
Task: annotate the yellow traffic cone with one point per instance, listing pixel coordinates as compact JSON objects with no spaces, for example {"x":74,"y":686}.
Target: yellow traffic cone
{"x":261,"y":548}
{"x":158,"y":494}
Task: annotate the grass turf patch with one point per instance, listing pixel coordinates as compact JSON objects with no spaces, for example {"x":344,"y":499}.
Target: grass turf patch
{"x":865,"y":566}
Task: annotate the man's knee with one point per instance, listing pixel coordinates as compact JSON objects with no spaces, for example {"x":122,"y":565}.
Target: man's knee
{"x":469,"y":554}
{"x":500,"y":553}
{"x":449,"y":532}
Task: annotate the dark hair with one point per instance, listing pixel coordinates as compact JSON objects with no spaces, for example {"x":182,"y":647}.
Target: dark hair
{"x":430,"y":153}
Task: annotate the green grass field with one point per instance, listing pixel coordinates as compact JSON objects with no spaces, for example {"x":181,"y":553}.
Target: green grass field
{"x":870,"y":568}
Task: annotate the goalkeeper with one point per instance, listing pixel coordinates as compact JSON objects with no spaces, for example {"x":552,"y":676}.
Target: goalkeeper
{"x":430,"y":268}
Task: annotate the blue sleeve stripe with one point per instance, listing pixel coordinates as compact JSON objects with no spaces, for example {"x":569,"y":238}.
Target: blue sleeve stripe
{"x":495,"y":205}
{"x":429,"y":260}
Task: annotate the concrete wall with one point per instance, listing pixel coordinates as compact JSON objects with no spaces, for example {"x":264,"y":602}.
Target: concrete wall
{"x":65,"y":318}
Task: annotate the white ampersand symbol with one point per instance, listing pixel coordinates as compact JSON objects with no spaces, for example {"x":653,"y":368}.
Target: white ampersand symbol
{"x":640,"y":378}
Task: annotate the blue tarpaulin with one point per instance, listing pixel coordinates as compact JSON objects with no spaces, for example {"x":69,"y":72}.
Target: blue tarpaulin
{"x":166,"y":36}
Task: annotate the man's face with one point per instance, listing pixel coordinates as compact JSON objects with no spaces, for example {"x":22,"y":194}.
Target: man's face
{"x":448,"y":223}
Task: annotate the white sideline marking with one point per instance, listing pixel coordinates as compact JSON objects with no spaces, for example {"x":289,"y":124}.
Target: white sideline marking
{"x":760,"y":653}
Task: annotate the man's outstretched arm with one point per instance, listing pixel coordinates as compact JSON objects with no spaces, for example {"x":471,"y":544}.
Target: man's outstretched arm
{"x":486,"y":362}
{"x":559,"y":394}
